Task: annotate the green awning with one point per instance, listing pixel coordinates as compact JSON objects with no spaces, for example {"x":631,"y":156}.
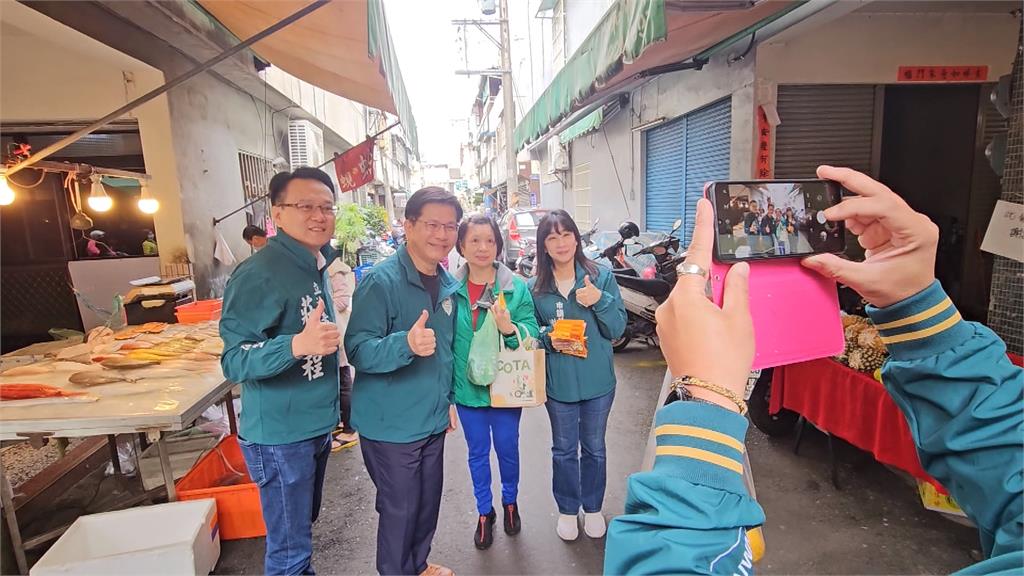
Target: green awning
{"x":622,"y":34}
{"x":588,"y":123}
{"x":635,"y":37}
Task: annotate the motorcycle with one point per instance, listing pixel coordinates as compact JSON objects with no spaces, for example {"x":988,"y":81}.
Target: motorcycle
{"x":642,"y":293}
{"x":528,"y":255}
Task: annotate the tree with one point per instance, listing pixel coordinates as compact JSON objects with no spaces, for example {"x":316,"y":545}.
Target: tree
{"x":349,"y":229}
{"x":376,"y":218}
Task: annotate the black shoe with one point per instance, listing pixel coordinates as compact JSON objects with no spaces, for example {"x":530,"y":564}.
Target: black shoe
{"x":483,"y":537}
{"x":512,"y":522}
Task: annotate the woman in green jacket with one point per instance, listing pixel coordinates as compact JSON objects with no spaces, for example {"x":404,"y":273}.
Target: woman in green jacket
{"x":482,"y":279}
{"x":580,"y":390}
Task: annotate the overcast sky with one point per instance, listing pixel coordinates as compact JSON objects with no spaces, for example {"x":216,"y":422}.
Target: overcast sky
{"x":429,"y":52}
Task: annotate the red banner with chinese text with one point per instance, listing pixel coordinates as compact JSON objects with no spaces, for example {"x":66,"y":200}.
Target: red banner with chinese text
{"x":355,"y":166}
{"x":942,"y":74}
{"x":763,"y":166}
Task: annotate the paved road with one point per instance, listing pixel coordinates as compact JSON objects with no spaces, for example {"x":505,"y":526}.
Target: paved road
{"x":874,"y":525}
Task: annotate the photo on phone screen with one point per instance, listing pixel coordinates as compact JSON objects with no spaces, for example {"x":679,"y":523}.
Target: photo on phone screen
{"x":775,"y":219}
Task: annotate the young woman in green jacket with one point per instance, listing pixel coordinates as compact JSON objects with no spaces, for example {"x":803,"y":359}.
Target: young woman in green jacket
{"x":482,"y":279}
{"x":580,"y":390}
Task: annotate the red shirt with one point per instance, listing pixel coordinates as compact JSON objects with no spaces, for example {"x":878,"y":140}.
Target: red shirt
{"x":475,"y":292}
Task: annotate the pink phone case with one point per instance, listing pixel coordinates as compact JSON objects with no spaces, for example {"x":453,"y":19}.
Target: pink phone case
{"x":795,"y":311}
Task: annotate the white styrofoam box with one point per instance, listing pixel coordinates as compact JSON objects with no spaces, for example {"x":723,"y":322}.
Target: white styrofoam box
{"x":173,"y":538}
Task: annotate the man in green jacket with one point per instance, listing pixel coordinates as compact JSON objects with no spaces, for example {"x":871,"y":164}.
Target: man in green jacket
{"x":280,"y":344}
{"x":399,"y":340}
{"x":951,"y":378}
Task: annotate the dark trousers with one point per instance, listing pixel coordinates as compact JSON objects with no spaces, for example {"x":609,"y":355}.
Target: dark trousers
{"x":409,"y":478}
{"x":346,"y":399}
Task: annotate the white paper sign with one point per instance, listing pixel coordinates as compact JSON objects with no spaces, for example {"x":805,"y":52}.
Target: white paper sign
{"x":1005,"y":234}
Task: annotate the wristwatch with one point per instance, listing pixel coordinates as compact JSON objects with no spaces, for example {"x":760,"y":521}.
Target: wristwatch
{"x":680,"y":393}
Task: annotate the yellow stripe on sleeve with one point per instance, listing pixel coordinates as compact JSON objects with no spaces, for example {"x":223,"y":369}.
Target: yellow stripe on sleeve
{"x":938,"y":308}
{"x":919,"y":334}
{"x":698,"y":454}
{"x":697,"y":432}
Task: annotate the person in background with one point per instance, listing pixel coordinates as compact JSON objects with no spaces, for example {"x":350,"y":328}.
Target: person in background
{"x":343,"y":284}
{"x":752,"y":219}
{"x":97,"y":248}
{"x":580,"y":390}
{"x":149,"y":247}
{"x":781,"y":236}
{"x":952,"y":380}
{"x":280,"y":344}
{"x":399,"y":340}
{"x":481,"y":279}
{"x":255,"y":236}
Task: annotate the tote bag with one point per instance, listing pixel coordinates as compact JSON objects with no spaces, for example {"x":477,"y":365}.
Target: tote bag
{"x":520,"y":380}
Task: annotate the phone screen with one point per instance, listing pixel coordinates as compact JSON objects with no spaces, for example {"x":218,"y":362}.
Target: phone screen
{"x":775,"y":219}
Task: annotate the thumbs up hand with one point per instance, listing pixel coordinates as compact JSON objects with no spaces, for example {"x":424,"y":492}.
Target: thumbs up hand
{"x":589,"y":294}
{"x":317,"y":338}
{"x":421,"y":338}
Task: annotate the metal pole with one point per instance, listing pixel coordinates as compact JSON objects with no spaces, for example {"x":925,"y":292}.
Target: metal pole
{"x":508,"y":115}
{"x":67,"y":140}
{"x":389,"y":202}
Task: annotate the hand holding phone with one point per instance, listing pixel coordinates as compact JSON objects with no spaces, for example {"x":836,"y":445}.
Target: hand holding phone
{"x":765,"y":219}
{"x":900,"y":244}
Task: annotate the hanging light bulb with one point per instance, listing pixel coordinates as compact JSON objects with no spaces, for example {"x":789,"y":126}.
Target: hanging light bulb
{"x":148,"y":204}
{"x":98,"y":199}
{"x":6,"y":193}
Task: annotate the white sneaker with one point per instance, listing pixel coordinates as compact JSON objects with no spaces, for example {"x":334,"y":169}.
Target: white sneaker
{"x":593,"y":524}
{"x":568,"y":527}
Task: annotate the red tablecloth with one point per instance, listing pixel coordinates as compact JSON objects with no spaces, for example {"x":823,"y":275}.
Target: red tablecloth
{"x":850,"y":405}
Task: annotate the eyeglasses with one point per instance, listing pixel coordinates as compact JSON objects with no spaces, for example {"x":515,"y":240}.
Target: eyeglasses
{"x":434,"y":227}
{"x":307,"y":209}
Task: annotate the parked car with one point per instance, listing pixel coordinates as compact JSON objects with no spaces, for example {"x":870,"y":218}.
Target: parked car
{"x":518,"y":225}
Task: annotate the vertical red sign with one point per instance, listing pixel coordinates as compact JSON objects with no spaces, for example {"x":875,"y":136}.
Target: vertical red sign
{"x":763,"y":168}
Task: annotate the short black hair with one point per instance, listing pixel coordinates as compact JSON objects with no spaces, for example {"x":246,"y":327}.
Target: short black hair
{"x":251,"y":231}
{"x":479,"y":220}
{"x":431,"y":195}
{"x":280,"y":181}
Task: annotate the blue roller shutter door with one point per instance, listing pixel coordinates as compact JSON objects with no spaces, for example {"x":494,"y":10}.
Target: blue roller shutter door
{"x":708,"y":132}
{"x":681,"y":157}
{"x":664,"y":175}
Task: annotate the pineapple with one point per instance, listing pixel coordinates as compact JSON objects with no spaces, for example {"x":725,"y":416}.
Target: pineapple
{"x":867,"y":359}
{"x":870,"y":338}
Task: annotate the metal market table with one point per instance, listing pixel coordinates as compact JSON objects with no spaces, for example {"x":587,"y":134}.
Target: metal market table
{"x":152,"y":408}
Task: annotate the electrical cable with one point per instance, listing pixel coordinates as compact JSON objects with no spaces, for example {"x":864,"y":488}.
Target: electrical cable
{"x":42,"y":176}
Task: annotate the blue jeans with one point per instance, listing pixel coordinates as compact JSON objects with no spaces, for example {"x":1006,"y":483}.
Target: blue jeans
{"x":577,"y":480}
{"x":479,"y":425}
{"x":291,"y":481}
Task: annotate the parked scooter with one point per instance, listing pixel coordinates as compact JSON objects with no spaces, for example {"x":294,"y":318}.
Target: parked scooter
{"x":643,"y":291}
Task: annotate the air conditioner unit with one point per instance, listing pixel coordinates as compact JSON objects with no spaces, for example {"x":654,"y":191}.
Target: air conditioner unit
{"x":558,"y":157}
{"x":305,"y":144}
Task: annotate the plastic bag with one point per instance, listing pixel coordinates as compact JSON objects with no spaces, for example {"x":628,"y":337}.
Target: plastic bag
{"x":483,"y":353}
{"x":126,"y":455}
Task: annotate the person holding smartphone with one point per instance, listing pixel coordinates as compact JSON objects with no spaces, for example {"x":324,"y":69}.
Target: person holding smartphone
{"x":951,"y":378}
{"x":580,"y":391}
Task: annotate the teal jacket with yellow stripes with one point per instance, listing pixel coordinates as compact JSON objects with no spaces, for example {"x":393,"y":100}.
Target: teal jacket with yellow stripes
{"x":962,"y":399}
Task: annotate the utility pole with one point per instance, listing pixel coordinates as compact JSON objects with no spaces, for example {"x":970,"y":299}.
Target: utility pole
{"x":389,"y":202}
{"x":509,"y":113}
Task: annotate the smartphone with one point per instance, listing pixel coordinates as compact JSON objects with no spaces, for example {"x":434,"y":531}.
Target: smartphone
{"x":769,"y":219}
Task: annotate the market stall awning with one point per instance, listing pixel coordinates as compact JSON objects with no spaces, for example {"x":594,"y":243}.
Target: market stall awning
{"x":635,"y":36}
{"x":344,"y":47}
{"x":584,"y":125}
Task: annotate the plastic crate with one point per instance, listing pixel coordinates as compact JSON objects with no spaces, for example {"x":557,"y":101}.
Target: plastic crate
{"x":200,"y":311}
{"x":238,"y":505}
{"x":358,"y":271}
